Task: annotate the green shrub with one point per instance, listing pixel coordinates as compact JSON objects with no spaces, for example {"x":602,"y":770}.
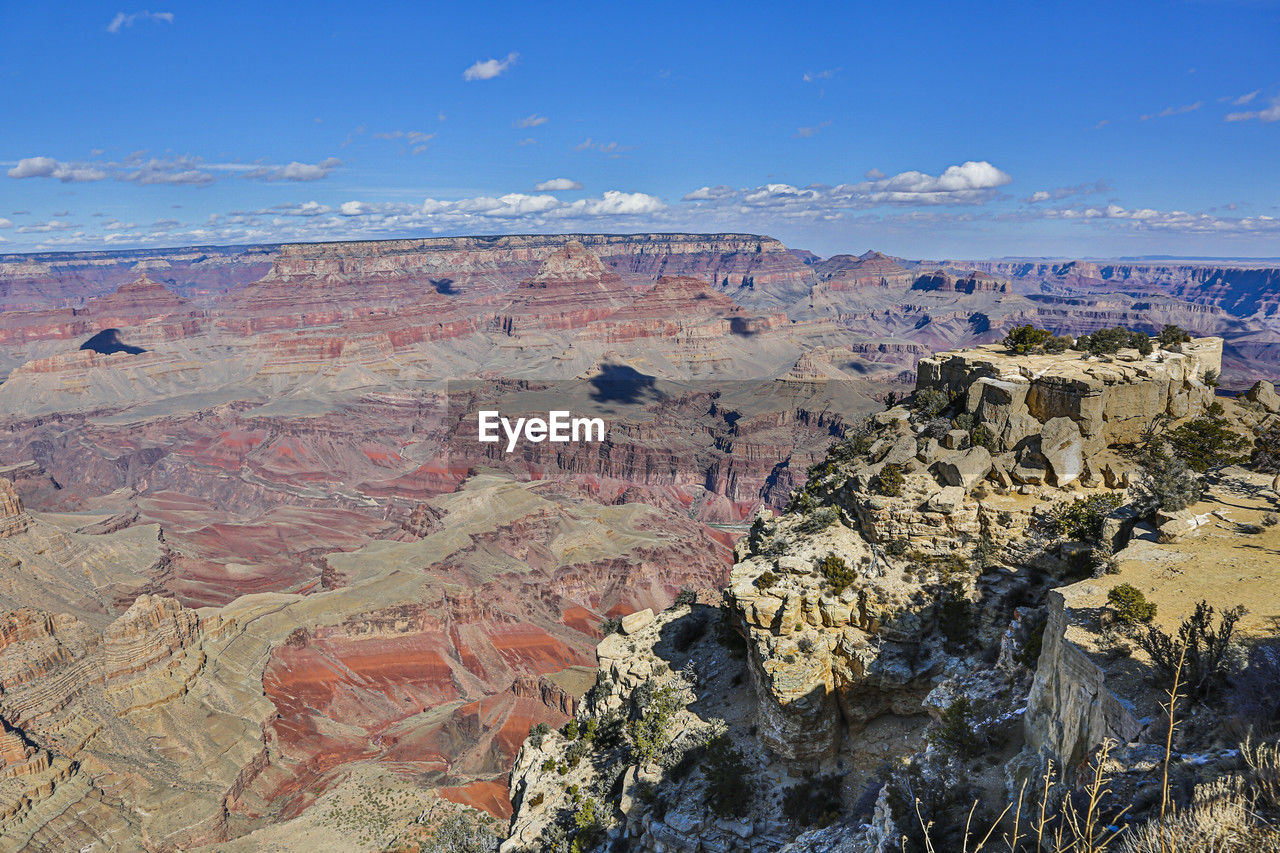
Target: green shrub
{"x":765,"y":580}
{"x":984,"y":436}
{"x":1167,"y":483}
{"x":1030,"y":654}
{"x":1210,"y":652}
{"x":955,"y":732}
{"x":813,"y":803}
{"x":611,"y":625}
{"x":1172,"y":336}
{"x":930,"y":402}
{"x":838,"y":574}
{"x":1130,"y":604}
{"x":651,"y":731}
{"x":537,"y":733}
{"x":570,"y":730}
{"x":1209,"y":441}
{"x":730,"y":789}
{"x":896,"y":547}
{"x":889,"y":481}
{"x":686,"y":597}
{"x":1022,"y":340}
{"x":1082,"y":518}
{"x":1212,"y":377}
{"x":1059,"y":344}
{"x":588,"y":819}
{"x":1111,"y":341}
{"x":818,"y":519}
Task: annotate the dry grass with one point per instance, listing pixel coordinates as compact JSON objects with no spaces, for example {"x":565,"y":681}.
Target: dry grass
{"x":1223,"y":817}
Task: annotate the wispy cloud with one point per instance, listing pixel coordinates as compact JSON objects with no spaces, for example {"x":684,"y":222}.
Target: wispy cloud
{"x":1173,"y":111}
{"x":418,"y":139}
{"x":1060,"y":193}
{"x":814,"y":76}
{"x":1240,"y":100}
{"x":558,"y":184}
{"x":530,"y":121}
{"x":812,"y":130}
{"x":1179,"y":221}
{"x":972,"y":182}
{"x":122,"y":19}
{"x":490,"y":68}
{"x":173,"y":170}
{"x":1271,"y":113}
{"x":613,"y":148}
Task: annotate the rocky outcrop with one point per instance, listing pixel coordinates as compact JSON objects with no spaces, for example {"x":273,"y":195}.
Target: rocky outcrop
{"x":1071,"y":709}
{"x":13,"y":520}
{"x":1049,"y":416}
{"x":147,"y":653}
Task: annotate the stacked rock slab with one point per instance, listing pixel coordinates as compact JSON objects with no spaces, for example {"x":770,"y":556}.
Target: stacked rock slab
{"x":1052,"y":412}
{"x":13,"y":520}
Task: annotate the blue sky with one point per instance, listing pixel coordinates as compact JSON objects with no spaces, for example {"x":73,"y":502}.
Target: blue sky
{"x":921,"y":129}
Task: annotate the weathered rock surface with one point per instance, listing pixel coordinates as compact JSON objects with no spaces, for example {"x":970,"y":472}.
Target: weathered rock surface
{"x":12,"y":518}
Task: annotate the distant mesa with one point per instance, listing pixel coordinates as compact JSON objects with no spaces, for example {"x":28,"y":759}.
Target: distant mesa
{"x":108,"y":342}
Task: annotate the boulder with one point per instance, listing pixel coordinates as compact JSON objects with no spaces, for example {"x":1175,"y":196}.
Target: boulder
{"x":930,"y":452}
{"x":1176,"y":525}
{"x":903,"y":450}
{"x":966,"y":469}
{"x":947,"y":501}
{"x":1264,"y":394}
{"x":956,"y":439}
{"x":1063,"y":448}
{"x":637,"y":621}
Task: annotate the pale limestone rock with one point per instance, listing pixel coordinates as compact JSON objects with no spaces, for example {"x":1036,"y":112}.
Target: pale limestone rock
{"x":948,"y":500}
{"x":1063,"y":448}
{"x":966,"y":470}
{"x":1264,"y":394}
{"x":633,"y":622}
{"x":1070,"y":709}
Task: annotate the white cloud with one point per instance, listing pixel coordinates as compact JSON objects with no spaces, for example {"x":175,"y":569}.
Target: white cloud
{"x":1271,"y":113}
{"x":48,"y":167}
{"x":418,"y":139}
{"x":122,"y":20}
{"x":5,"y":223}
{"x":295,"y":171}
{"x":812,"y":76}
{"x":353,"y":208}
{"x":533,"y":120}
{"x":1060,"y":193}
{"x":45,"y":227}
{"x":614,"y":203}
{"x":1246,"y":98}
{"x":490,"y":68}
{"x":813,"y":130}
{"x":710,"y":193}
{"x":613,"y":148}
{"x":558,"y":185}
{"x":1177,"y":221}
{"x":169,"y":169}
{"x":1174,"y":111}
{"x":972,"y":182}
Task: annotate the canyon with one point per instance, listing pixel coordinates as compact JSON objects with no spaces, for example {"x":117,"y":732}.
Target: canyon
{"x":251,"y":550}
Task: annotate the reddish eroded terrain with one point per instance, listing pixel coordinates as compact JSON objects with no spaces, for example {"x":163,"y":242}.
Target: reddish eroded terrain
{"x":407,"y":596}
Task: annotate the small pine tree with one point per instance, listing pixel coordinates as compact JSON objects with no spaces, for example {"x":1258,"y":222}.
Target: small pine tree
{"x":1130,"y":604}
